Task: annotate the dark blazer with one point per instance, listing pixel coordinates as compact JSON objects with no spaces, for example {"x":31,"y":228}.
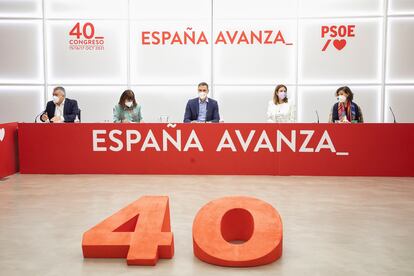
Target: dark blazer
{"x":191,"y":111}
{"x":70,"y":110}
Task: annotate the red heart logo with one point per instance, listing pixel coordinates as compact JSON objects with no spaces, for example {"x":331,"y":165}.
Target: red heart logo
{"x":339,"y":44}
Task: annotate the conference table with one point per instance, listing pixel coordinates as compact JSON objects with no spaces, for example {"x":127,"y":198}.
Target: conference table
{"x":217,"y":149}
{"x":9,"y":163}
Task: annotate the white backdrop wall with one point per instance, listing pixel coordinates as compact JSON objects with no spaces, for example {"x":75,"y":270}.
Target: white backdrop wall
{"x":377,"y":61}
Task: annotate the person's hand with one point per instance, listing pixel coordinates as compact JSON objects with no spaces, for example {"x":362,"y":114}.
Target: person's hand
{"x":194,"y":122}
{"x":56,"y":119}
{"x":44,"y":117}
{"x":125,"y":121}
{"x":344,"y":121}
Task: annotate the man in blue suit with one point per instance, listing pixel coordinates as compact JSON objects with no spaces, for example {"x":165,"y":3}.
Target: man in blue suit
{"x":60,"y":109}
{"x":202,"y":109}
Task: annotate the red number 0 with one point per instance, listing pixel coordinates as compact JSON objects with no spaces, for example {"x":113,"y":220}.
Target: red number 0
{"x":140,"y":232}
{"x":92,"y":30}
{"x":224,"y":221}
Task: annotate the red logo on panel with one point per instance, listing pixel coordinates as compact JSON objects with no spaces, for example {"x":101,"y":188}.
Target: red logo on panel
{"x":338,"y":35}
{"x":85,"y":38}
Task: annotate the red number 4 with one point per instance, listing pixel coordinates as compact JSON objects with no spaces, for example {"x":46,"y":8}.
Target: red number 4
{"x":140,"y":232}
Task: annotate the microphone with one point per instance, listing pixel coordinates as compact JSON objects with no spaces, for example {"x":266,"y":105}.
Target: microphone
{"x":40,"y":114}
{"x":317,"y":116}
{"x":78,"y":116}
{"x":393,"y":115}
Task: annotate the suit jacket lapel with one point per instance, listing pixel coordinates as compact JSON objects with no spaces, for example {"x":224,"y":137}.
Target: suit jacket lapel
{"x":197,"y":108}
{"x":52,"y":110}
{"x":207,"y":110}
{"x":65,"y":106}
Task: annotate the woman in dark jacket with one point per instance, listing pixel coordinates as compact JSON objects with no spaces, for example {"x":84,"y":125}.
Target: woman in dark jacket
{"x":345,"y":110}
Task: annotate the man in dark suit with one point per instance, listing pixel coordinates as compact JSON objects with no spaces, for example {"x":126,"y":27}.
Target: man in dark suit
{"x":60,"y":109}
{"x":202,"y":109}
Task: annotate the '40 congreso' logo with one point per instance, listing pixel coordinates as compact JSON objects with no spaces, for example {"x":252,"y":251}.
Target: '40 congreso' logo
{"x":83,"y":38}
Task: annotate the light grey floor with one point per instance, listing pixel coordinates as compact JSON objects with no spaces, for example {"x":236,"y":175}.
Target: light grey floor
{"x":332,"y":225}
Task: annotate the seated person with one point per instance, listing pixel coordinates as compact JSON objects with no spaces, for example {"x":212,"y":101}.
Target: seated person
{"x":202,"y":109}
{"x":279,"y":110}
{"x":127,"y":110}
{"x":345,"y":110}
{"x":60,"y":109}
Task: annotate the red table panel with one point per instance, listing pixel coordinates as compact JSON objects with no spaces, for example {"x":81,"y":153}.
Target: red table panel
{"x":238,"y":149}
{"x":8,"y":149}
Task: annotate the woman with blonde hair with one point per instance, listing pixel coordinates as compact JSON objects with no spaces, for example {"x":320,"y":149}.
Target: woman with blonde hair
{"x":279,"y":109}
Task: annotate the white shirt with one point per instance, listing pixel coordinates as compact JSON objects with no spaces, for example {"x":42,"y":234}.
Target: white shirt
{"x":280,"y":113}
{"x":59,"y":110}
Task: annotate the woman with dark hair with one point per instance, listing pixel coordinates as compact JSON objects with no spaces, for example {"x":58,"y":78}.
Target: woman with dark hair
{"x":345,"y":110}
{"x":279,"y":110}
{"x":127,"y":110}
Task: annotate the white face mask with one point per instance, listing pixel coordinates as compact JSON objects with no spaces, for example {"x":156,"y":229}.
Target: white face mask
{"x":341,"y":98}
{"x":128,"y":104}
{"x":202,"y":95}
{"x":55,"y":99}
{"x":282,"y":95}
